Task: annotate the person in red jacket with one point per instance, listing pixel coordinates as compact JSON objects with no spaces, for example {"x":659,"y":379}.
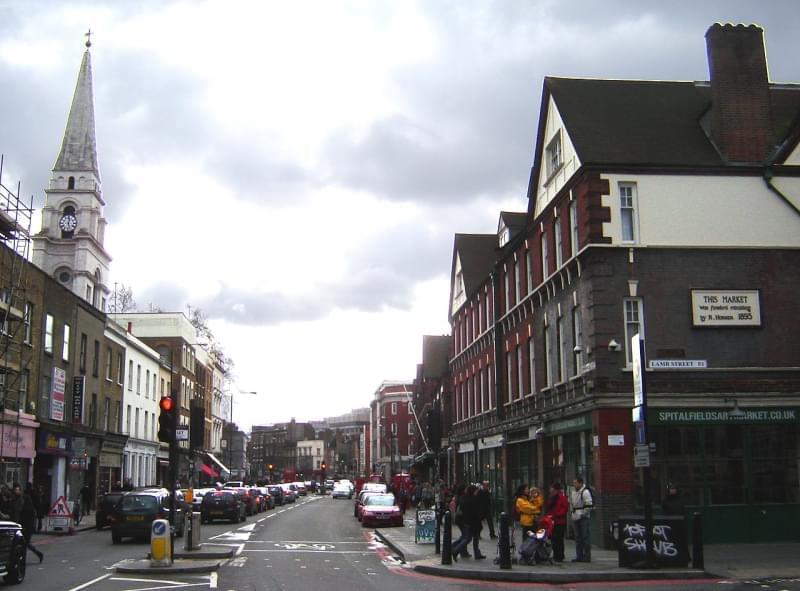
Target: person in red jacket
{"x":557,"y":507}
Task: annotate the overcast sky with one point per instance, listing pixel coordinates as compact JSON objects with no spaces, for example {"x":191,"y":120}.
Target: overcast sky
{"x":298,"y":169}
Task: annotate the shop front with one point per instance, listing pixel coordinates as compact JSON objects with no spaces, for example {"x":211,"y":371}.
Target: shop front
{"x":109,"y":471}
{"x":738,"y":468}
{"x":567,"y":449}
{"x":53,"y":452}
{"x":467,"y":463}
{"x":490,"y":468}
{"x":17,"y":448}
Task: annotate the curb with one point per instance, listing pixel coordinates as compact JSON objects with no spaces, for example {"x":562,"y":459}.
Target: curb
{"x":536,"y":576}
{"x":143,"y":567}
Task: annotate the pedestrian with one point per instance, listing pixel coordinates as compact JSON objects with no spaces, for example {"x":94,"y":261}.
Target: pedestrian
{"x":456,"y":508}
{"x":582,"y":504}
{"x":537,"y":500}
{"x":401,"y":499}
{"x":672,"y":503}
{"x":526,"y":510}
{"x":24,"y":513}
{"x":471,"y":525}
{"x":5,"y":502}
{"x":485,"y":504}
{"x":86,"y":499}
{"x":556,"y":507}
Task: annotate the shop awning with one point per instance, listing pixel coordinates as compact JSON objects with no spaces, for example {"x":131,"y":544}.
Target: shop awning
{"x":217,"y":463}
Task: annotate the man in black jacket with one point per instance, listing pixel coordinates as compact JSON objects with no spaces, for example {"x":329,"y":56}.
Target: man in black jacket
{"x":24,"y":513}
{"x":485,"y":506}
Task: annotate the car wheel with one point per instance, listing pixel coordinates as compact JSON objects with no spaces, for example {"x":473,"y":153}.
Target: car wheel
{"x":16,"y":565}
{"x":115,"y":538}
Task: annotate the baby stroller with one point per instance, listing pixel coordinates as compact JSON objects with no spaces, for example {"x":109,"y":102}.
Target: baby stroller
{"x":537,"y":547}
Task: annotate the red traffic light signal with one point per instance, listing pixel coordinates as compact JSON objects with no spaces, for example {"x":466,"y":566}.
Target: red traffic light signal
{"x":323,"y":465}
{"x":165,"y":404}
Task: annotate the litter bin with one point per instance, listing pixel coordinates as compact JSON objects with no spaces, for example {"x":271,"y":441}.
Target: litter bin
{"x":191,"y":540}
{"x":670,"y":543}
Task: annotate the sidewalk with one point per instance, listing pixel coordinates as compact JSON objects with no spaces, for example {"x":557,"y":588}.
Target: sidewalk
{"x":740,"y":561}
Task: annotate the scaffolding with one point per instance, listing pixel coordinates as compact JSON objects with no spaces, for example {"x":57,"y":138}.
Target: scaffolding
{"x":15,"y":326}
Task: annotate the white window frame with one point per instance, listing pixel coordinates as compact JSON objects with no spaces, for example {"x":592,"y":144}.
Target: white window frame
{"x":529,"y":269}
{"x":628,"y":224}
{"x":509,"y":378}
{"x":65,"y":343}
{"x":558,"y":244}
{"x":509,"y":279}
{"x":532,"y":364}
{"x":109,"y":362}
{"x":577,"y":339}
{"x":517,"y":285}
{"x":138,"y":379}
{"x":27,"y":323}
{"x":573,"y":228}
{"x":394,"y":428}
{"x":411,"y":428}
{"x":548,"y":365}
{"x":520,"y":372}
{"x":554,"y":157}
{"x":394,"y":408}
{"x":561,"y":340}
{"x":543,"y":249}
{"x":49,"y":323}
{"x":633,"y":316}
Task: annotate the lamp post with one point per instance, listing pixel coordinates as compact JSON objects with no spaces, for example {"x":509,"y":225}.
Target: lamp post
{"x":230,"y":427}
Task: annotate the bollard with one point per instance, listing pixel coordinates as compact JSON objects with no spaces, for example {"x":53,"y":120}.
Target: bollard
{"x":437,"y":540}
{"x":160,"y":543}
{"x":697,"y":541}
{"x":504,"y":547}
{"x":447,"y":542}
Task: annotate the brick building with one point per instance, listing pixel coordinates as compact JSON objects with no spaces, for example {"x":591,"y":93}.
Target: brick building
{"x":665,"y":209}
{"x":392,"y":428}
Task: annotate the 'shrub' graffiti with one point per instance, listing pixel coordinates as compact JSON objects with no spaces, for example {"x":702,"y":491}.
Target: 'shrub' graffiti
{"x":662,"y":544}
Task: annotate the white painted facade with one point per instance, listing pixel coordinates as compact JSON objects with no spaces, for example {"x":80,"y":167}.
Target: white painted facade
{"x":691,"y":211}
{"x":140,"y":395}
{"x":459,"y":290}
{"x":549,"y":186}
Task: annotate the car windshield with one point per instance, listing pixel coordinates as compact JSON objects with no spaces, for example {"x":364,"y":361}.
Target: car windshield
{"x":381,"y":501}
{"x":138,"y":503}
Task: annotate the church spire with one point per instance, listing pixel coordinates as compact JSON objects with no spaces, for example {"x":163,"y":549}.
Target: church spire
{"x":79,"y":147}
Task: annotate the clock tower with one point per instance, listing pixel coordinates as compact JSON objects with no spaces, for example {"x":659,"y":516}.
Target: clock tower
{"x":69,"y":247}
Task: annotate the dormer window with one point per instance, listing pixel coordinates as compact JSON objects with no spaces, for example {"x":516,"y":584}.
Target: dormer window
{"x":504,"y":235}
{"x":553,"y":157}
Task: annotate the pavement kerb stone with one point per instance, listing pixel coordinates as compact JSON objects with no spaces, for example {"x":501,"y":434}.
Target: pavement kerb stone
{"x":133,"y":566}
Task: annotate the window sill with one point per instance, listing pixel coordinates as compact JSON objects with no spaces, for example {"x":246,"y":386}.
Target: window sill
{"x":553,"y":175}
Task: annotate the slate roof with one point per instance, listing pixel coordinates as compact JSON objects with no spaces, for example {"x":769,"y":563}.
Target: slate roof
{"x":478,"y":253}
{"x":435,"y":353}
{"x":651,"y":123}
{"x":79,"y":149}
{"x":514,"y":221}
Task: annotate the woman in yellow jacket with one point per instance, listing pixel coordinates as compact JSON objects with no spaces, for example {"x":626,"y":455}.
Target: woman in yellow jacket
{"x":527,"y":511}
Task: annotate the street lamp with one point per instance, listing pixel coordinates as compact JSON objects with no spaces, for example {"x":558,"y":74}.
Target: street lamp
{"x":230,"y":427}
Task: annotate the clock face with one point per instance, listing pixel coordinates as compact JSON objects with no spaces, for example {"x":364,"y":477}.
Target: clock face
{"x":68,"y":222}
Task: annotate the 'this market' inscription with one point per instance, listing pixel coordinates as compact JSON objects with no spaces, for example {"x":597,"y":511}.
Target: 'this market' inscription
{"x":732,"y":308}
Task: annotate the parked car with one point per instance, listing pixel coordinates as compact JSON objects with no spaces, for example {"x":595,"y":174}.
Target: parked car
{"x":136,"y":512}
{"x":289,"y":495}
{"x":106,"y":508}
{"x":13,"y":552}
{"x":300,"y":488}
{"x":233,"y":484}
{"x":362,"y":497}
{"x":248,"y":499}
{"x":266,"y":497}
{"x":380,"y":510}
{"x":342,"y":491}
{"x":329,"y":484}
{"x":222,"y":504}
{"x":197,"y":497}
{"x":277,"y":493}
{"x":259,"y":498}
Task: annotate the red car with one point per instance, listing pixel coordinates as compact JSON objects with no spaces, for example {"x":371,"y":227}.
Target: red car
{"x":380,"y":511}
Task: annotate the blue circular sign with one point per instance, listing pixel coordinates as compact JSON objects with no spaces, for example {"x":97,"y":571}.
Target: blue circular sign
{"x":159,"y":527}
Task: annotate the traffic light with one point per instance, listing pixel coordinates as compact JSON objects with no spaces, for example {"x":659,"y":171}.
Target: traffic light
{"x":269,"y":467}
{"x":166,"y":420}
{"x":324,"y":465}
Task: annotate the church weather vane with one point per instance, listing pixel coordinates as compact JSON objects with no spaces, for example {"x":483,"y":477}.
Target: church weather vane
{"x":88,"y":35}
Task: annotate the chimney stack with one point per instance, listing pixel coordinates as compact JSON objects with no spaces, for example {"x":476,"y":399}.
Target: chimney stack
{"x":741,"y":120}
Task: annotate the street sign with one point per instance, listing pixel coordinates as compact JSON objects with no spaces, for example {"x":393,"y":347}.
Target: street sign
{"x":638,"y":382}
{"x":641,"y":456}
{"x":182,"y":434}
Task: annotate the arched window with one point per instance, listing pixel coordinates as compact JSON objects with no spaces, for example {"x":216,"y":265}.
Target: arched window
{"x":71,"y":182}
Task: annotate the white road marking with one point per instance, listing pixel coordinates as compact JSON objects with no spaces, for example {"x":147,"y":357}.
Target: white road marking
{"x":250,"y":527}
{"x":329,"y":552}
{"x":92,"y":582}
{"x":212,"y":580}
